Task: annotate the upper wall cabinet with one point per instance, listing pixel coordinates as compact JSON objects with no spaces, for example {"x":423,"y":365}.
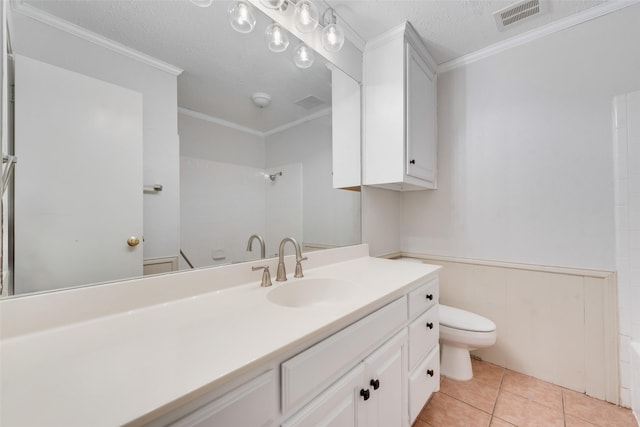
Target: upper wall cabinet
{"x":400,"y":135}
{"x":345,"y":100}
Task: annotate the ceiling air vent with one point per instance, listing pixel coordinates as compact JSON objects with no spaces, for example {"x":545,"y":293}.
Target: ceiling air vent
{"x":310,"y":102}
{"x":518,"y":12}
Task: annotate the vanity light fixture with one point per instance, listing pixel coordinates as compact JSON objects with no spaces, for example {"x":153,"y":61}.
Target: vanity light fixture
{"x":241,"y":16}
{"x":303,"y":56}
{"x":306,"y":16}
{"x":202,"y":3}
{"x":272,"y":4}
{"x":332,"y":34}
{"x":277,"y":39}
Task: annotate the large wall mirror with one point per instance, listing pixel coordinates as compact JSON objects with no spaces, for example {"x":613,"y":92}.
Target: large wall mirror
{"x":202,"y":167}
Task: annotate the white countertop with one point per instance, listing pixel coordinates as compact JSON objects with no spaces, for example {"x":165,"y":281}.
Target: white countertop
{"x":114,"y":369}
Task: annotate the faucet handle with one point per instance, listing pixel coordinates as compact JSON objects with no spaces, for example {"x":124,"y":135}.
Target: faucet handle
{"x":266,"y":276}
{"x":298,"y":272}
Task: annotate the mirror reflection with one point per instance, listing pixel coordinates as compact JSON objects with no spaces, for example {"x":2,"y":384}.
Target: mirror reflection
{"x":144,"y":130}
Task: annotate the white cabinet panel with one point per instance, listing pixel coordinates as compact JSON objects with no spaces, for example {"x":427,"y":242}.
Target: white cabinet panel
{"x":386,"y":380}
{"x":423,"y":381}
{"x":400,"y":135}
{"x":345,"y":129}
{"x":315,"y":368}
{"x":336,"y":407}
{"x":423,"y":335}
{"x":254,"y":404}
{"x":421,"y":114}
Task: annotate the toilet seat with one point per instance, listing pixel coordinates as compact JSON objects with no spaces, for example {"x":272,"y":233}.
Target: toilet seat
{"x":455,"y":318}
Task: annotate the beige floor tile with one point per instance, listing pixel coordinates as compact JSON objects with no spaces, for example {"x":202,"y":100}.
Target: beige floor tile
{"x":539,"y":391}
{"x":570,"y":421}
{"x":497,"y":422}
{"x":445,"y":411}
{"x":523,"y":412}
{"x":475,"y":392}
{"x":596,"y":411}
{"x":487,"y":372}
{"x":420,"y":423}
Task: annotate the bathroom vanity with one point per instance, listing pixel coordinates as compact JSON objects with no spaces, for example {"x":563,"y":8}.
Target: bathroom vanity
{"x":354,"y":342}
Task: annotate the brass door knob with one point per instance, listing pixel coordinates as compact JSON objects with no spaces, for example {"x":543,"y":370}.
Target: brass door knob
{"x":133,"y":241}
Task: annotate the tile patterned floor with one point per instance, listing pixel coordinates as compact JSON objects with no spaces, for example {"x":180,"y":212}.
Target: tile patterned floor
{"x":498,"y":397}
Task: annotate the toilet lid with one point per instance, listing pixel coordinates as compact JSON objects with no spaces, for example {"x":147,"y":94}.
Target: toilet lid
{"x":464,"y":320}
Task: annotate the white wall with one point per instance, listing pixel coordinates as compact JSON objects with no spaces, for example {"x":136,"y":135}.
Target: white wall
{"x":627,"y":211}
{"x":525,"y":157}
{"x":159,"y":89}
{"x":330,"y":216}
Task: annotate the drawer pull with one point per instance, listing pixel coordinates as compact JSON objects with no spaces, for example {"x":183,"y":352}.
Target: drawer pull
{"x":375,"y":384}
{"x":429,"y":325}
{"x":429,"y":297}
{"x":429,"y":372}
{"x":365,"y":394}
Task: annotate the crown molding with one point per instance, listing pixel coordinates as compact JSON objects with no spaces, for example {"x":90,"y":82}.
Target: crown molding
{"x":18,"y":6}
{"x":308,"y":118}
{"x":232,"y":125}
{"x":529,"y":36}
{"x":216,"y":120}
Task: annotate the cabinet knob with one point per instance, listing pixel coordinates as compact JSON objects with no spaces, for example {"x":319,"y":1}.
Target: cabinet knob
{"x":429,"y":325}
{"x":429,"y":372}
{"x":365,"y":394}
{"x":412,"y":162}
{"x":375,"y":384}
{"x":429,"y":297}
{"x":133,"y":241}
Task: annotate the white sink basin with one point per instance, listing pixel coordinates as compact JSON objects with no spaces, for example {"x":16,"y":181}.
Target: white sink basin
{"x":313,"y":292}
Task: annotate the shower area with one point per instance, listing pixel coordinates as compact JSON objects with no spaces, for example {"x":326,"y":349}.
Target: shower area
{"x":627,"y":210}
{"x":222,"y":202}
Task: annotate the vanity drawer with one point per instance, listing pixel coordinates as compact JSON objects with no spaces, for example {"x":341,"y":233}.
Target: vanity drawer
{"x":424,"y":381}
{"x":423,"y":335}
{"x":308,"y":373}
{"x":424,"y":297}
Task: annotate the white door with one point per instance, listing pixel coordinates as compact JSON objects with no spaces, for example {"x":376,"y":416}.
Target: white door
{"x":421,"y":142}
{"x":387,"y":381}
{"x":78,"y":183}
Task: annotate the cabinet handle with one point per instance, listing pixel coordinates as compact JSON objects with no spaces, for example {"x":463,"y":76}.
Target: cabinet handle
{"x":429,"y":372}
{"x":375,"y":384}
{"x":412,"y":162}
{"x":365,"y":394}
{"x":429,"y":297}
{"x":429,"y":325}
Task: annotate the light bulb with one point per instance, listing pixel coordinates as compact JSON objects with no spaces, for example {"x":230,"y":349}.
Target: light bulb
{"x":306,"y":16}
{"x":303,"y":56}
{"x":333,"y":38}
{"x":202,"y":3}
{"x":241,"y":16}
{"x":272,"y":4}
{"x":277,"y":39}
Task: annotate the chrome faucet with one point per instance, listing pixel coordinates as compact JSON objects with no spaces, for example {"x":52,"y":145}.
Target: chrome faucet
{"x":281,"y":275}
{"x":261,"y":240}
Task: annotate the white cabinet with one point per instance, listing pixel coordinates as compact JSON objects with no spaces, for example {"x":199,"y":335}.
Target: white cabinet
{"x":424,"y":352}
{"x":253,"y":404}
{"x":400,"y":134}
{"x":372,"y":394}
{"x":345,"y":129}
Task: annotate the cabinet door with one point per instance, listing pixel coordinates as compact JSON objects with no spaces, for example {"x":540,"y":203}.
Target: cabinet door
{"x":254,"y":404}
{"x":336,"y":407}
{"x":386,"y":380}
{"x":421,"y":138}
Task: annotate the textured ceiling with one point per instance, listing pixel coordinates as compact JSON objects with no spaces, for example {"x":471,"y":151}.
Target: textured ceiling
{"x":222,"y":68}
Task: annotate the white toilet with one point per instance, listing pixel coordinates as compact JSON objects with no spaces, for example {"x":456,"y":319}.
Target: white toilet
{"x":460,"y":332}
